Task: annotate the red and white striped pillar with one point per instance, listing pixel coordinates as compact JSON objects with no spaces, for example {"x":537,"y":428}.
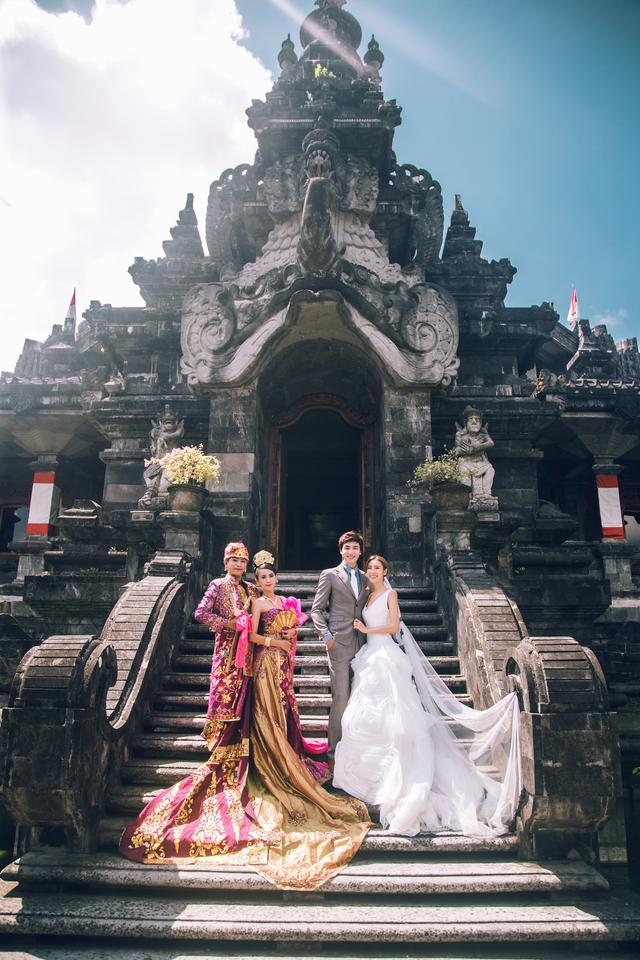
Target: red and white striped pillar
{"x":45,"y":498}
{"x":611,"y":519}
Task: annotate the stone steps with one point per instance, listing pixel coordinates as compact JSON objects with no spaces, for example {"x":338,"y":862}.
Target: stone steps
{"x":197,"y":646}
{"x":183,"y":685}
{"x":305,"y":921}
{"x":366,"y":876}
{"x":312,"y":655}
{"x":48,"y":948}
{"x":181,"y":702}
{"x":127,"y":800}
{"x":157,"y":722}
{"x":181,"y":744}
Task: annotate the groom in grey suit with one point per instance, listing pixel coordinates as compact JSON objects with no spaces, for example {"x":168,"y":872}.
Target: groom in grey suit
{"x":339,"y":599}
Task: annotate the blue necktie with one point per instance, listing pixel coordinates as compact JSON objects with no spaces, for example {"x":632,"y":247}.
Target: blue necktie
{"x":354,"y":579}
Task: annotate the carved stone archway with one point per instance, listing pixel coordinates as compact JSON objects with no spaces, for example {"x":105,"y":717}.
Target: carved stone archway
{"x":291,"y":390}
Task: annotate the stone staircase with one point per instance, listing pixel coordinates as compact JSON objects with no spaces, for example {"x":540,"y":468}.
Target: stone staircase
{"x":400,"y":896}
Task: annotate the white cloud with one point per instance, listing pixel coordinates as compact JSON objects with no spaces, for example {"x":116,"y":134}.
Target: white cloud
{"x":612,"y":318}
{"x":106,"y":127}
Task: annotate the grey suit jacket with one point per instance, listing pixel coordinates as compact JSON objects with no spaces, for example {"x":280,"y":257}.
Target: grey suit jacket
{"x":334,"y":609}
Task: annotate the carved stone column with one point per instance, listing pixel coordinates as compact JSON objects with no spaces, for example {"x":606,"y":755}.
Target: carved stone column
{"x":43,"y":511}
{"x":609,"y":505}
{"x":406,"y":441}
{"x":233,"y":426}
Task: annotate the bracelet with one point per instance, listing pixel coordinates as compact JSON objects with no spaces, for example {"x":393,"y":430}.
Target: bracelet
{"x":267,"y":641}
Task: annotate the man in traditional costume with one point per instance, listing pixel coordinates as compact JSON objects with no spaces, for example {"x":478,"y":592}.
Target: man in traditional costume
{"x":225,"y":600}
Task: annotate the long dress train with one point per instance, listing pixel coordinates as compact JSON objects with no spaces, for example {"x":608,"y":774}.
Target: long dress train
{"x":411,"y":748}
{"x":263,"y":805}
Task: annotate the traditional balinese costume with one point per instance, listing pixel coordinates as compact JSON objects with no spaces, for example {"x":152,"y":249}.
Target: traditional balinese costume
{"x":258,"y":799}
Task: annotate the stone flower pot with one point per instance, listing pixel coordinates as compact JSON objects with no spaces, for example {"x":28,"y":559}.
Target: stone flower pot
{"x":186,"y":497}
{"x":450,"y":496}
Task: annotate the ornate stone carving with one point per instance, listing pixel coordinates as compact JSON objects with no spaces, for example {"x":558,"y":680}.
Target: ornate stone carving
{"x":208,"y":318}
{"x":166,"y":433}
{"x":431,"y":329}
{"x":318,"y":215}
{"x":471,"y":444}
{"x":317,"y":250}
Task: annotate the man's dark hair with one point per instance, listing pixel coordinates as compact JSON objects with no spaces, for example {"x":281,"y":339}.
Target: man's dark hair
{"x":351,"y":535}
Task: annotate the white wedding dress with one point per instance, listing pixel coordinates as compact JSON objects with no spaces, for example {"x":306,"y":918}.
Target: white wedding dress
{"x":430,"y":763}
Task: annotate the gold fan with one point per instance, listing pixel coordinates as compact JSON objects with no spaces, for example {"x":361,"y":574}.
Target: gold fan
{"x":284,"y":620}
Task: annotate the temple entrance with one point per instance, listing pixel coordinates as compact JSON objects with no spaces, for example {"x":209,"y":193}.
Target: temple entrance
{"x":320,"y":404}
{"x":321,"y":488}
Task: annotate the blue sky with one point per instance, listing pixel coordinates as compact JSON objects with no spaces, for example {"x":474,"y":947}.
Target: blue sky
{"x":527,"y":108}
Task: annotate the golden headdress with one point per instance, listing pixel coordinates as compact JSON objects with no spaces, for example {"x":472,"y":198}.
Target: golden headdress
{"x":263,"y":556}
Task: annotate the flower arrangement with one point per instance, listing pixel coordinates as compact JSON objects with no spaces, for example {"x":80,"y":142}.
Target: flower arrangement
{"x":445,"y":468}
{"x":186,"y":465}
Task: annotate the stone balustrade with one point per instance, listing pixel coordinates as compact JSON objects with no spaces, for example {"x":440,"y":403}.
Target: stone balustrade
{"x":77,"y":702}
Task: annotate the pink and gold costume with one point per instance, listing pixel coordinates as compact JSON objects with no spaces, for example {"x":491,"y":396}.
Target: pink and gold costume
{"x":258,"y":799}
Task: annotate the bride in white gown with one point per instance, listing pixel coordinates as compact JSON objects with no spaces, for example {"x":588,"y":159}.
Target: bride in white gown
{"x":430,"y":763}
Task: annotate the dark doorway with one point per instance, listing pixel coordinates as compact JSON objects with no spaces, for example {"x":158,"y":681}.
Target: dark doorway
{"x":321,"y":488}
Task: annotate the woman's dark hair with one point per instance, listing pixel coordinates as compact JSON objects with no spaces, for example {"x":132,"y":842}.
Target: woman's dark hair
{"x":379,"y":558}
{"x":265,"y":566}
{"x":349,"y":537}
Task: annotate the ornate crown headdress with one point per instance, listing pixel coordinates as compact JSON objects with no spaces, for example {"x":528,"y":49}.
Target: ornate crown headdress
{"x":263,"y":556}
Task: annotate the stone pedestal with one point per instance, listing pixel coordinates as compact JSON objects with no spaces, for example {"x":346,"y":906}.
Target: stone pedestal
{"x":30,"y":556}
{"x":453,"y":530}
{"x":187,"y":539}
{"x":616,"y":559}
{"x":123,"y":484}
{"x":181,"y":532}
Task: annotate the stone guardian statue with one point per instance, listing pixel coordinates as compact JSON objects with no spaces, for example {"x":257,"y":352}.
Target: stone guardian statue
{"x":166,"y":434}
{"x":471,"y":444}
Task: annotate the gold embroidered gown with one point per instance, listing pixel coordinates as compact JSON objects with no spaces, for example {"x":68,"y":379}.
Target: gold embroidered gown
{"x":267,"y":809}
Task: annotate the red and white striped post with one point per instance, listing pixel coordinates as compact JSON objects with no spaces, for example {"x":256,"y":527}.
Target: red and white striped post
{"x":611,"y":519}
{"x":45,"y":499}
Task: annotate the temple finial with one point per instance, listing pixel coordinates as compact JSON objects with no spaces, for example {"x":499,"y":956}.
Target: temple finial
{"x":374,"y":58}
{"x":287,"y":57}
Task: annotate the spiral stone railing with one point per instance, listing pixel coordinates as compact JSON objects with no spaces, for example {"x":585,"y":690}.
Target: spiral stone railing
{"x":76,"y":703}
{"x":570,"y":749}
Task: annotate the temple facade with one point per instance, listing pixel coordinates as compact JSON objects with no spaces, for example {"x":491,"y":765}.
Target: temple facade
{"x":330,"y":334}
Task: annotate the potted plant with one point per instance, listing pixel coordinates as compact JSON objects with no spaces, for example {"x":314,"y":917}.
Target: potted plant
{"x":443,"y":479}
{"x":188,"y":470}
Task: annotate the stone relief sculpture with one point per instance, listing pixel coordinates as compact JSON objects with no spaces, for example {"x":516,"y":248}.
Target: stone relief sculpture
{"x":471,"y":444}
{"x":321,"y":202}
{"x":166,"y":433}
{"x":325,"y":212}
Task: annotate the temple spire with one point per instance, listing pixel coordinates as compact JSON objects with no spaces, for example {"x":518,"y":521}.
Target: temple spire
{"x":374,"y":58}
{"x":330,"y":37}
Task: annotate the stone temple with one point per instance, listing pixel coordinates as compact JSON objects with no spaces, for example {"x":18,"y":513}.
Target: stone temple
{"x":329,"y":334}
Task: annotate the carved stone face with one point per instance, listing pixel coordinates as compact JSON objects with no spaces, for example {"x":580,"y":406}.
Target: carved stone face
{"x":169,"y":423}
{"x":318,"y":163}
{"x":474,"y":423}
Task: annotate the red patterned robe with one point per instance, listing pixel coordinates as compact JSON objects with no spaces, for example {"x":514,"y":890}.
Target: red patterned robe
{"x":228,"y":685}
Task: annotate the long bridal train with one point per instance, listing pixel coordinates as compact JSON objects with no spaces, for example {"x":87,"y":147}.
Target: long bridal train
{"x":411,"y":748}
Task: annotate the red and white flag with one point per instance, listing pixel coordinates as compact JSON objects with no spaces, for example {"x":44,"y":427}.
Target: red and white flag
{"x":70,"y":319}
{"x":574,"y":310}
